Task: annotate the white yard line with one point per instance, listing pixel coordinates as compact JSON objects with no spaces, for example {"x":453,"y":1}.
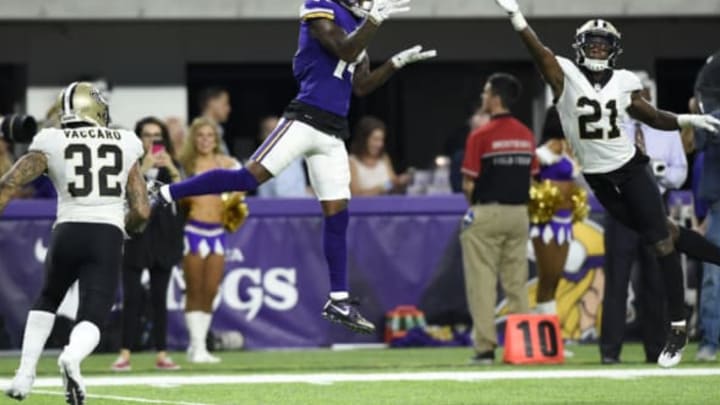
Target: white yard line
{"x":329,"y":378}
{"x":119,"y":398}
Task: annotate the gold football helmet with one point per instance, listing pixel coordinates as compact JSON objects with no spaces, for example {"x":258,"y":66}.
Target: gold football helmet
{"x":81,"y":102}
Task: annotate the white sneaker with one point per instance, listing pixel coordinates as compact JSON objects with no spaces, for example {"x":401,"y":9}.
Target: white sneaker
{"x":20,"y":387}
{"x":203,"y":356}
{"x":72,"y":380}
{"x":706,"y":354}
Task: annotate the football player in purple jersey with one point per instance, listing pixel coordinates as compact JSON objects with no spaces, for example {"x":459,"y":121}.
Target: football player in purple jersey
{"x":331,"y":64}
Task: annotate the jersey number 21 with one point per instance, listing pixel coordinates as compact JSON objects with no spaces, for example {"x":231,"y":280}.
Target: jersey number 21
{"x":595,"y":116}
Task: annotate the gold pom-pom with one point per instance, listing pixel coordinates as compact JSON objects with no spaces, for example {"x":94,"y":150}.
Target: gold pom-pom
{"x":581,"y":208}
{"x":544,"y":199}
{"x":235,"y":211}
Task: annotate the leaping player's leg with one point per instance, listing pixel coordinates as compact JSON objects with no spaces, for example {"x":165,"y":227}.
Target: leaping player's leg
{"x":694,"y":244}
{"x":335,"y":245}
{"x":330,"y":177}
{"x":268,"y":160}
{"x":645,"y":204}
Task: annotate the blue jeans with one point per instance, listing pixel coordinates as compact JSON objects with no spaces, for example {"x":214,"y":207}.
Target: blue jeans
{"x":710,"y":295}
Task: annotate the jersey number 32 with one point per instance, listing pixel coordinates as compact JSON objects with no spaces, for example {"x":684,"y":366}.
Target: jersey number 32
{"x":596,"y":116}
{"x":82,"y":182}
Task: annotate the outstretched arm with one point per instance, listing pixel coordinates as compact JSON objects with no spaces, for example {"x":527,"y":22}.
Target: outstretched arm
{"x":643,"y":111}
{"x":365,"y":81}
{"x":137,"y":198}
{"x":348,"y":47}
{"x":26,"y":169}
{"x":544,"y":58}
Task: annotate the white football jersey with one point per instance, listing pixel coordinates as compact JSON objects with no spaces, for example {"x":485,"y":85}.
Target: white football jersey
{"x":592,"y":117}
{"x":89,"y":167}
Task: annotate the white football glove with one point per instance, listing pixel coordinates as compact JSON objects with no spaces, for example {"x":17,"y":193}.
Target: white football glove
{"x":382,"y":9}
{"x":510,"y":6}
{"x":516,"y":17}
{"x":411,"y":55}
{"x":707,"y":122}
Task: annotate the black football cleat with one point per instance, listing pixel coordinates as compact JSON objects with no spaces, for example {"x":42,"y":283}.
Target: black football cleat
{"x":672,"y":352}
{"x":345,"y":313}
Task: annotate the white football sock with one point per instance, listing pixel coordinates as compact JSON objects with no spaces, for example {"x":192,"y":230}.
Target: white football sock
{"x":547,"y":308}
{"x":84,"y":338}
{"x":37,"y":330}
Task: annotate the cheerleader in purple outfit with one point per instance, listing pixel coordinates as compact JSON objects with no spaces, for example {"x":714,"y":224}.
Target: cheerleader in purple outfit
{"x":556,"y":202}
{"x":204,"y":260}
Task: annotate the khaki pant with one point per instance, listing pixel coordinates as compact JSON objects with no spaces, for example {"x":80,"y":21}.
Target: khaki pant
{"x":494,"y":244}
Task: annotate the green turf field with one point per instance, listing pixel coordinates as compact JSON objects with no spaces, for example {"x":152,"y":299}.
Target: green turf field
{"x":391,"y":376}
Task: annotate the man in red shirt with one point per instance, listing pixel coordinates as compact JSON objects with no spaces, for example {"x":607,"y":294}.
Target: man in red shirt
{"x":499,"y":162}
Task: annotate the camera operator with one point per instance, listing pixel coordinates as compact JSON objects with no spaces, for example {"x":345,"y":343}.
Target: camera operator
{"x":623,"y":247}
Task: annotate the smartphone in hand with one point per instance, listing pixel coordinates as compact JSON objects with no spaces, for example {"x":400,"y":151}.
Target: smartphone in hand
{"x":157,"y":147}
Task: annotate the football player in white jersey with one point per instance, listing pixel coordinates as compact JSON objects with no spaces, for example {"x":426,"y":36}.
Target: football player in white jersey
{"x":94,"y":170}
{"x":591,"y":95}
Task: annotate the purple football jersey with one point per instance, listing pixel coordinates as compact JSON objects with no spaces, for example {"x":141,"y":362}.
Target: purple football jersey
{"x":325,"y":80}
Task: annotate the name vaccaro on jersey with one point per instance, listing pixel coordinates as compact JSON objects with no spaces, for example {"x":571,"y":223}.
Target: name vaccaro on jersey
{"x":92,"y":133}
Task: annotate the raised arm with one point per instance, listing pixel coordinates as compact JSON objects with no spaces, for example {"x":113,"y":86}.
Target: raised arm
{"x":26,"y":169}
{"x":137,"y":198}
{"x":544,"y":58}
{"x":643,"y":111}
{"x":365,"y":81}
{"x":348,"y":47}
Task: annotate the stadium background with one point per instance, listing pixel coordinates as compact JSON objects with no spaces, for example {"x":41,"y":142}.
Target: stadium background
{"x":159,"y":53}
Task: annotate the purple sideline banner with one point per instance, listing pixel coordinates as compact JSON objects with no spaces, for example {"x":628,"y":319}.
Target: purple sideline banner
{"x":402,"y":251}
{"x":275,"y":278}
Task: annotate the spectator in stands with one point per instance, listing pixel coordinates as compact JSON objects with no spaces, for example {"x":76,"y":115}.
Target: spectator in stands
{"x":499,"y":160}
{"x":624,"y":247}
{"x":371,"y":170}
{"x":204,"y":261}
{"x":215,"y":106}
{"x":177,"y":130}
{"x":291,"y":182}
{"x":158,"y":248}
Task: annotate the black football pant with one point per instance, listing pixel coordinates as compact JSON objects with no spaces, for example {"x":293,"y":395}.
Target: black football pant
{"x":631,"y":196}
{"x":90,"y":253}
